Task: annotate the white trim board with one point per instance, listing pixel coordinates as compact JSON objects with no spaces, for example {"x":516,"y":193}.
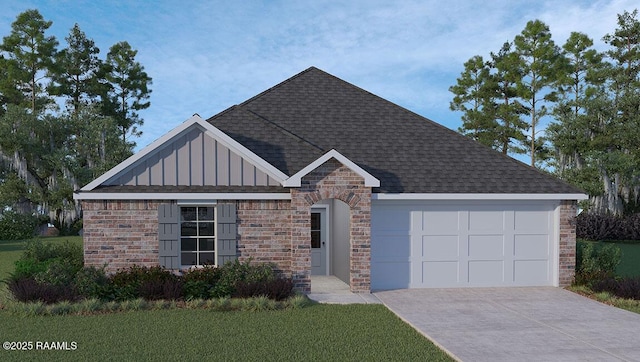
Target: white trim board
{"x":209,"y":129}
{"x":180,"y":196}
{"x":296,"y":180}
{"x":384,"y":196}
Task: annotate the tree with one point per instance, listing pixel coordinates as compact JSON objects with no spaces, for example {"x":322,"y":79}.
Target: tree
{"x":129,"y":89}
{"x":472,"y":97}
{"x":29,"y":56}
{"x":538,"y":56}
{"x":77,"y":76}
{"x":621,"y":175}
{"x":508,"y":108}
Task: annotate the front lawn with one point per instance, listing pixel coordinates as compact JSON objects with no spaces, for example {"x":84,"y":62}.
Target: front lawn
{"x":318,"y":332}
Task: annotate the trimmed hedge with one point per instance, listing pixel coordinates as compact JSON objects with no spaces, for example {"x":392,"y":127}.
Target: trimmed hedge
{"x":608,"y":227}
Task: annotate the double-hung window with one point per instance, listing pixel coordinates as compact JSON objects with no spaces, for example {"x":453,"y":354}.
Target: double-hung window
{"x":197,"y":235}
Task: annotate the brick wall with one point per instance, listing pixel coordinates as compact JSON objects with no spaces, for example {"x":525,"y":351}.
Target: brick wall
{"x":332,"y":180}
{"x":567,"y":249}
{"x":120,"y":233}
{"x":264,"y":232}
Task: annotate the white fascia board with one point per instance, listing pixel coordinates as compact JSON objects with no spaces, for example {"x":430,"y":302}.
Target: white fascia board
{"x":180,"y":196}
{"x":296,"y":180}
{"x":208,"y":128}
{"x":383,"y":196}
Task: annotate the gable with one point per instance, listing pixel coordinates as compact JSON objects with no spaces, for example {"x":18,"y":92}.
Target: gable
{"x":193,"y":158}
{"x":193,"y":154}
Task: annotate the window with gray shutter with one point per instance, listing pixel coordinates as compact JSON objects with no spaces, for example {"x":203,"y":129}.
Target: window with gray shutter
{"x":226,"y":233}
{"x":169,"y":235}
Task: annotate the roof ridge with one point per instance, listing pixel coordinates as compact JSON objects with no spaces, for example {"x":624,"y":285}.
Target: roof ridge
{"x":284,"y":130}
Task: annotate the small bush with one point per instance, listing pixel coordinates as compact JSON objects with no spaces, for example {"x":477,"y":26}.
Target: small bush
{"x":240,"y":272}
{"x":29,"y":290}
{"x":60,"y":272}
{"x":199,"y":282}
{"x":39,"y":255}
{"x":627,"y":288}
{"x":91,"y":282}
{"x":170,"y":289}
{"x":595,"y":262}
{"x":16,"y":226}
{"x":144,"y":282}
{"x":277,"y":289}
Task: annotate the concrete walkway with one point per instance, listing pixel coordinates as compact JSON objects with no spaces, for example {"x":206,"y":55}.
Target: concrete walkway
{"x":331,"y":290}
{"x":519,"y":324}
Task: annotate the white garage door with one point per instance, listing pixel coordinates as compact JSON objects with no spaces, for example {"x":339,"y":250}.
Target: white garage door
{"x":462,"y":244}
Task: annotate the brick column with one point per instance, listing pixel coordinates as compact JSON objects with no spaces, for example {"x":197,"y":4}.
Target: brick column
{"x":567,"y":247}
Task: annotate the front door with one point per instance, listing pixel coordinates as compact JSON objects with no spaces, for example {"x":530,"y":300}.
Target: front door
{"x":319,"y":242}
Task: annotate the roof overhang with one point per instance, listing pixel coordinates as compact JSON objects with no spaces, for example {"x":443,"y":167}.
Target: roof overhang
{"x":296,"y":179}
{"x":180,"y":196}
{"x":214,"y":132}
{"x":384,"y":196}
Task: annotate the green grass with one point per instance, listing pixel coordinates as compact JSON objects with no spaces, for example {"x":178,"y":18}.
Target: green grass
{"x":319,"y":332}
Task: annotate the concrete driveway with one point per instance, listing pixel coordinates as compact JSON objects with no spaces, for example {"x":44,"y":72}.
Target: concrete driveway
{"x":519,"y":324}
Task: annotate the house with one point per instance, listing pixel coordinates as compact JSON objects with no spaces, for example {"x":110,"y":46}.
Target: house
{"x":322,"y":177}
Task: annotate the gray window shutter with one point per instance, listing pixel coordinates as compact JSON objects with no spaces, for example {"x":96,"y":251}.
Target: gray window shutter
{"x":226,"y":233}
{"x":169,"y":235}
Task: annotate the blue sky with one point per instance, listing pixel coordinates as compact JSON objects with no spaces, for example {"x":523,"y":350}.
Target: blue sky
{"x":205,"y":56}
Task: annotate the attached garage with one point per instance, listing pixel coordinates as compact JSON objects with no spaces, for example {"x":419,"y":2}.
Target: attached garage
{"x":438,"y":244}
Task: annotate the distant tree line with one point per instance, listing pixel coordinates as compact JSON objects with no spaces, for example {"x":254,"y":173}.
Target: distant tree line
{"x":591,"y":100}
{"x":66,"y":116}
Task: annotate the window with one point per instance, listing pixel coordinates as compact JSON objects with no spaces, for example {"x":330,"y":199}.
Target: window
{"x":197,"y":235}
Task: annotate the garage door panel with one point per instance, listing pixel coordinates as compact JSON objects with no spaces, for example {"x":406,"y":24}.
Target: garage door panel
{"x":439,"y":274}
{"x":440,"y":247}
{"x":486,"y":272}
{"x":531,"y":246}
{"x":531,"y":272}
{"x":440,"y":222}
{"x":481,"y":220}
{"x":531,"y":221}
{"x":486,"y":246}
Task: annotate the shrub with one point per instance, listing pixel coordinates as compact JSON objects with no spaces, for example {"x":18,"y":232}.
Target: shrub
{"x":29,"y":290}
{"x":16,"y":226}
{"x":595,"y":262}
{"x":627,"y":288}
{"x":143,"y":282}
{"x":39,"y":255}
{"x":60,"y":272}
{"x":199,"y":282}
{"x":277,"y":289}
{"x":170,"y":289}
{"x":91,"y":282}
{"x":238,"y":272}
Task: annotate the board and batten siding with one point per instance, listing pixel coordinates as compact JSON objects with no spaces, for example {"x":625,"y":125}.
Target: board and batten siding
{"x":193,"y":159}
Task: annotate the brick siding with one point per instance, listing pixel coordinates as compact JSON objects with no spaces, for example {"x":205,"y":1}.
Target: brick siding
{"x":120,"y":233}
{"x":567,"y":248}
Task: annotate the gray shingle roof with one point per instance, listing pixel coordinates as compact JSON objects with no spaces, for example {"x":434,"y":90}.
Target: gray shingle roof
{"x":293,"y":123}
